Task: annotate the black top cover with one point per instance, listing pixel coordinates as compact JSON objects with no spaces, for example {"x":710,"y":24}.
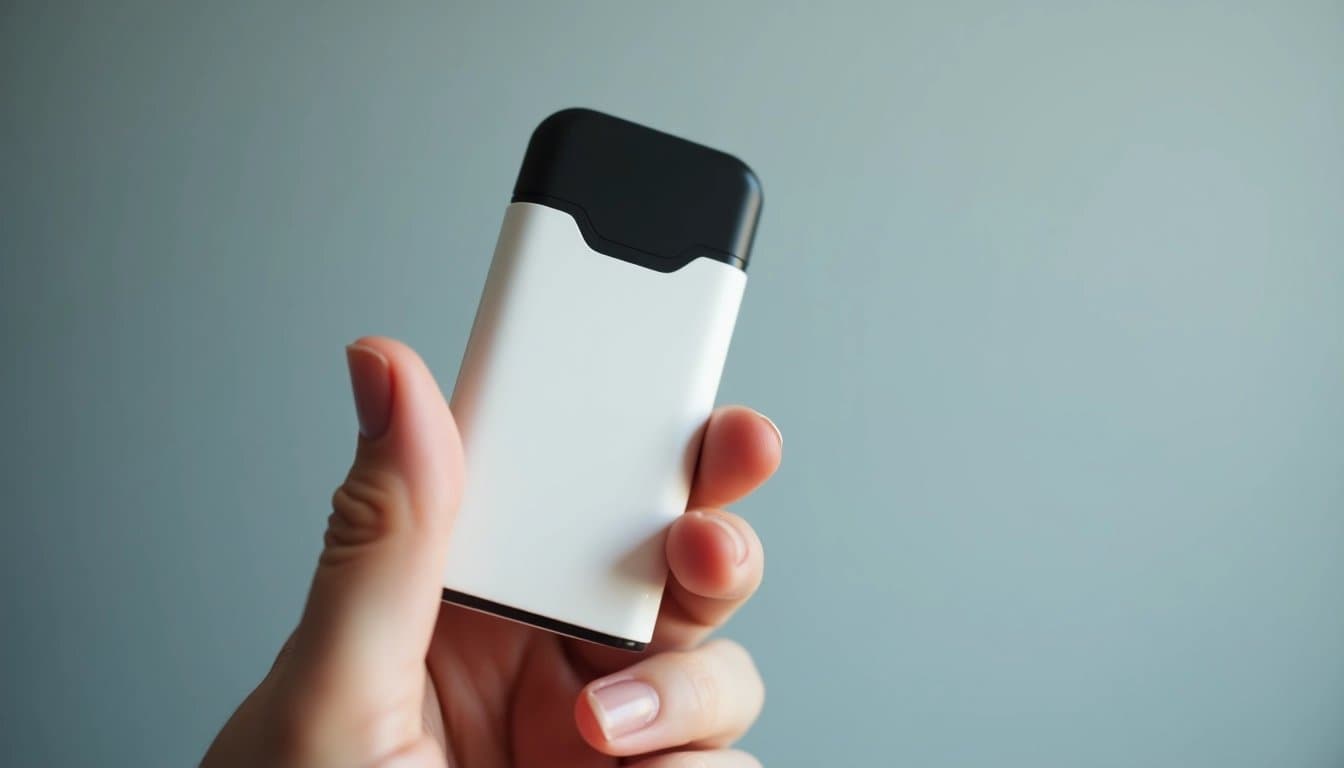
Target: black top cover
{"x":641,"y":195}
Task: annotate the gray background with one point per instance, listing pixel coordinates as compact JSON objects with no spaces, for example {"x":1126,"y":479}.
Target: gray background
{"x":1047,"y":300}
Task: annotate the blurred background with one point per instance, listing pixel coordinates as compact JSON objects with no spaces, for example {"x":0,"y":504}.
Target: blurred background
{"x":1048,"y":300}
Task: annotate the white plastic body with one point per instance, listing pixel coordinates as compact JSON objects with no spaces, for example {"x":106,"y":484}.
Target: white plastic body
{"x":581,"y":401}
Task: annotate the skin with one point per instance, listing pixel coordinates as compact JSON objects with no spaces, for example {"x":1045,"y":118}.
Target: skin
{"x":379,"y":672}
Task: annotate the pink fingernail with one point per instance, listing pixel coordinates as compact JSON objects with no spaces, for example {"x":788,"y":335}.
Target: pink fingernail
{"x":623,"y":707}
{"x":371,"y":382}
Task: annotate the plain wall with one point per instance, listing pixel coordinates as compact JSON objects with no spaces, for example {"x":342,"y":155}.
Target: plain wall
{"x":1048,"y":300}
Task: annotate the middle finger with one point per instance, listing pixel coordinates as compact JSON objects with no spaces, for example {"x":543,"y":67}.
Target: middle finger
{"x":715,"y":563}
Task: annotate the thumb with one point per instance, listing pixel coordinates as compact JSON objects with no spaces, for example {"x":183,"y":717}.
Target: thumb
{"x":375,"y":595}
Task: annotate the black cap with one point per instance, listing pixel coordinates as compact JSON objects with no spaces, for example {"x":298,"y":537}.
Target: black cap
{"x":641,"y":195}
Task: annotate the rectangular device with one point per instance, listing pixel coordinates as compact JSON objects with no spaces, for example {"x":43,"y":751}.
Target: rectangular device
{"x":592,"y":367}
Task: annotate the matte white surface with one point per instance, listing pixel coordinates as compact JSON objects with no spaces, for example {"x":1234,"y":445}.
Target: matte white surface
{"x":580,"y":400}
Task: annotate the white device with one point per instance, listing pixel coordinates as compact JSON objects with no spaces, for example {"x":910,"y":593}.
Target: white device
{"x":591,"y":369}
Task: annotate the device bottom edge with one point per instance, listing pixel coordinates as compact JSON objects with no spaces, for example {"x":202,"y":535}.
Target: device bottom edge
{"x":541,"y":622}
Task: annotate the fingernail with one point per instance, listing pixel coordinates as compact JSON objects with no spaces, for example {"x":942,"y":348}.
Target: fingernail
{"x":739,"y":543}
{"x":371,"y":381}
{"x":778,"y":435}
{"x":623,"y":707}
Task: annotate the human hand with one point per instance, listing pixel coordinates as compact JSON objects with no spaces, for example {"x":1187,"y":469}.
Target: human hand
{"x":380,"y":673}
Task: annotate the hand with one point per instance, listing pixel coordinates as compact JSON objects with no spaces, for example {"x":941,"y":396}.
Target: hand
{"x":379,"y":672}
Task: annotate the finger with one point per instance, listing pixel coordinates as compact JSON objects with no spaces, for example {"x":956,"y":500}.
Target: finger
{"x":714,"y":758}
{"x":375,"y":595}
{"x":710,"y":579}
{"x":740,"y":450}
{"x":706,"y":698}
{"x":716,"y":562}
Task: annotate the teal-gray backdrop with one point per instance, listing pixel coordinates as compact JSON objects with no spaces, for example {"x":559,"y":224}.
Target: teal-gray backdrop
{"x":1048,"y":299}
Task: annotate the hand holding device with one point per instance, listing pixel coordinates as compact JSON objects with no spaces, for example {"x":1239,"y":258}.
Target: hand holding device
{"x":380,"y":673}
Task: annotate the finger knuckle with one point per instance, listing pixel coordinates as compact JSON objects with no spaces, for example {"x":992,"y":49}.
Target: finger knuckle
{"x":364,"y":509}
